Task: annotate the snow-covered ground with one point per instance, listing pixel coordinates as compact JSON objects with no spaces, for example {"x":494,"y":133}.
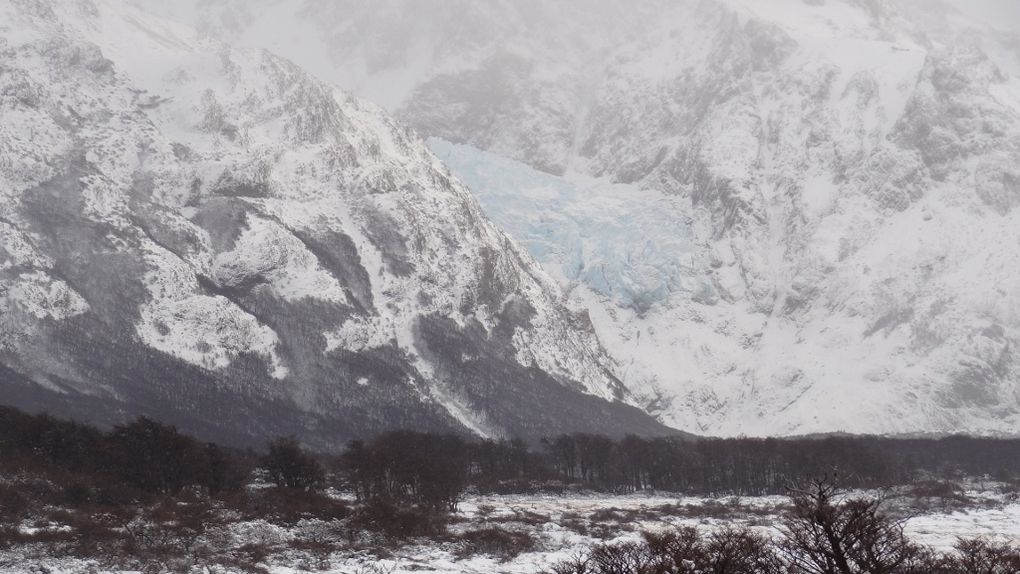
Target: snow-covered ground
{"x":565,"y":525}
{"x":560,"y":541}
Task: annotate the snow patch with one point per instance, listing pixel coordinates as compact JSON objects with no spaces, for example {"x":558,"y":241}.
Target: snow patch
{"x":45,"y":297}
{"x":265,"y":252}
{"x":207,"y":331}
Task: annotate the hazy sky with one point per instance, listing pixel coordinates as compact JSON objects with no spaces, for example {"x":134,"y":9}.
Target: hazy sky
{"x":1004,"y":14}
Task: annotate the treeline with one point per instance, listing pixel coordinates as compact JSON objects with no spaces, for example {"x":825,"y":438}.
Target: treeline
{"x":143,"y":496}
{"x":746,"y":466}
{"x":410,"y":468}
{"x":143,"y":457}
{"x":427,"y":469}
{"x":405,"y":467}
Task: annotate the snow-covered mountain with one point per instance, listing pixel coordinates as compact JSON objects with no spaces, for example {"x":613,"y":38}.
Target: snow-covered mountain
{"x":214,"y":237}
{"x":784,"y":216}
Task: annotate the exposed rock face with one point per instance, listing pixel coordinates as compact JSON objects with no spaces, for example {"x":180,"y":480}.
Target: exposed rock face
{"x":212,"y":236}
{"x":847,"y":171}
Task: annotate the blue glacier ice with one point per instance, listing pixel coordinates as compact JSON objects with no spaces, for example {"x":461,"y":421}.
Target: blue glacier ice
{"x":630,"y":245}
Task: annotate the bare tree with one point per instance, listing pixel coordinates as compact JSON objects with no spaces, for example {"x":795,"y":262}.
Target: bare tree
{"x":985,"y":557}
{"x":826,"y":533}
{"x":289,"y":466}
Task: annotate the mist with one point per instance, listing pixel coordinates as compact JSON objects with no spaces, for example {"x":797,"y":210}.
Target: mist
{"x":1000,"y":14}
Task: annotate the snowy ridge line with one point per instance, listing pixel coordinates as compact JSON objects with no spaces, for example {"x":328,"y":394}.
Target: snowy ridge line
{"x":237,"y":226}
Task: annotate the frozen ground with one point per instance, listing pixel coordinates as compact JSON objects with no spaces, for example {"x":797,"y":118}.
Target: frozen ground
{"x":565,"y":525}
{"x":559,"y":538}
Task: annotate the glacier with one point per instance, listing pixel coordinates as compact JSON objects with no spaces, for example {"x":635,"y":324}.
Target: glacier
{"x":838,"y":177}
{"x":212,"y":236}
{"x":632,"y":246}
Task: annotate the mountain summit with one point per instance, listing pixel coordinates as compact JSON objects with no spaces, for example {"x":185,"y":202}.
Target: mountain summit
{"x":213,"y":237}
{"x":762,"y":217}
{"x":784,"y":216}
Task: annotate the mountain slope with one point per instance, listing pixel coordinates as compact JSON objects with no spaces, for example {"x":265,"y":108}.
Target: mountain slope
{"x":211,"y":236}
{"x":846,"y":171}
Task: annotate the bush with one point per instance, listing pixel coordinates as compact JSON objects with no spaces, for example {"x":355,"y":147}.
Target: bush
{"x":401,"y":523}
{"x":120,"y":495}
{"x":77,"y":494}
{"x":155,"y":458}
{"x":681,"y":551}
{"x":287,"y":507}
{"x":937,"y":489}
{"x":405,"y":467}
{"x":13,"y":503}
{"x":96,"y":534}
{"x":502,"y":544}
{"x":246,"y":558}
{"x":289,"y":466}
{"x":826,"y":533}
{"x":945,"y":495}
{"x":740,"y":551}
{"x":986,"y":557}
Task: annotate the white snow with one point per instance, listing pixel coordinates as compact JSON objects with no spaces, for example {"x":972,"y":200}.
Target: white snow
{"x":786,"y":258}
{"x":558,"y":543}
{"x":178,"y":128}
{"x":43,"y":296}
{"x":265,"y":251}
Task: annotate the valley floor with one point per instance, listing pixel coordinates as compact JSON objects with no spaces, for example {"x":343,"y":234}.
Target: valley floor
{"x":560,"y":527}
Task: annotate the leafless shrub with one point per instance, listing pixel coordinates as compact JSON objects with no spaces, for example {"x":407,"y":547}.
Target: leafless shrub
{"x":680,"y":551}
{"x":287,"y":507}
{"x":500,"y":543}
{"x":400,"y":523}
{"x":986,"y":557}
{"x":824,"y":534}
{"x":941,"y":495}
